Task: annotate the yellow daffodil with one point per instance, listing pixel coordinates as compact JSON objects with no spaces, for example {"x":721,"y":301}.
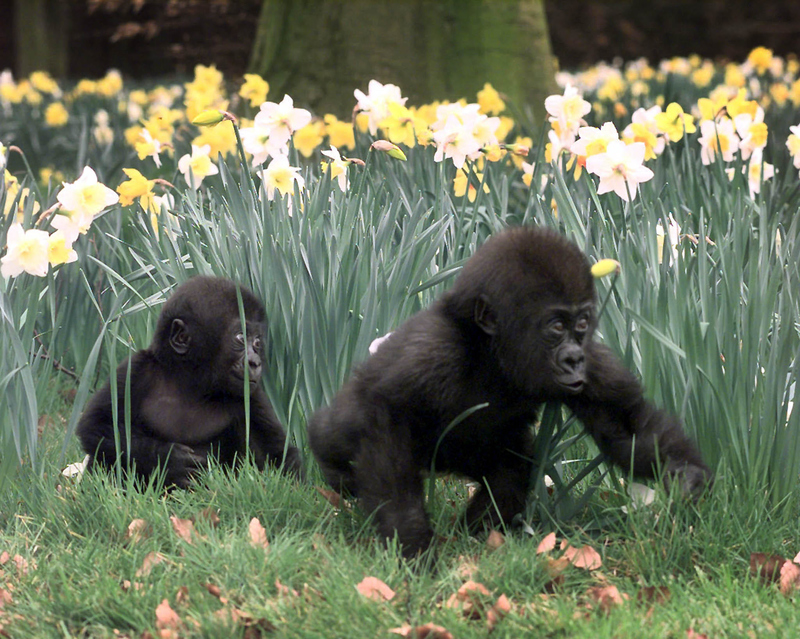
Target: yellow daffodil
{"x":308,"y":138}
{"x":673,"y":122}
{"x":136,"y":186}
{"x":340,"y":134}
{"x":196,"y":166}
{"x":59,"y":249}
{"x":255,"y":89}
{"x":761,"y":59}
{"x":490,"y":100}
{"x":392,"y":150}
{"x":462,"y":185}
{"x":56,"y":115}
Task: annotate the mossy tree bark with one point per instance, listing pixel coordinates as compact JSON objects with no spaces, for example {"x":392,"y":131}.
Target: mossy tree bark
{"x":41,"y":36}
{"x":319,"y":51}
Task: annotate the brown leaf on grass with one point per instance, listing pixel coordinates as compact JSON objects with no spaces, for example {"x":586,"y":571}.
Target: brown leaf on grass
{"x":547,"y":544}
{"x":182,"y":596}
{"x":4,"y":558}
{"x":467,"y":568}
{"x":766,"y":567}
{"x":790,"y":578}
{"x":215,"y":591}
{"x":499,"y":610}
{"x":5,"y":598}
{"x":258,"y":534}
{"x":331,"y":496}
{"x":607,"y":597}
{"x":555,"y":568}
{"x":137,"y":530}
{"x":373,"y":588}
{"x":471,"y":599}
{"x":127,"y":585}
{"x":168,"y":622}
{"x":209,"y":515}
{"x":184,"y":528}
{"x":150,"y":560}
{"x":653,"y":594}
{"x":495,"y":540}
{"x":584,"y":557}
{"x":797,"y":559}
{"x":426,"y":631}
{"x":691,"y":634}
{"x":286,"y":591}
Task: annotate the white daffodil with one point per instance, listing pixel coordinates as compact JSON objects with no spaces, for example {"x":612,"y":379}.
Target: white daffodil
{"x":280,"y":176}
{"x":338,"y":167}
{"x":86,"y":197}
{"x":197,"y":166}
{"x":27,"y":252}
{"x":281,"y":120}
{"x":620,"y":168}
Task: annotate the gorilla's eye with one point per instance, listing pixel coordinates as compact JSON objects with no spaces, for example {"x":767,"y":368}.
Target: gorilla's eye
{"x":257,"y":343}
{"x":557,"y":326}
{"x":582,"y":324}
{"x":239,"y":338}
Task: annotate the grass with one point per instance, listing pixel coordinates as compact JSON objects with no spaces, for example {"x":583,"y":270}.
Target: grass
{"x":73,"y":538}
{"x":709,"y":325}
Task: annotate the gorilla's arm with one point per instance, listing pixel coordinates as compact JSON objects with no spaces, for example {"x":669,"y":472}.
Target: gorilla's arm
{"x":629,"y":429}
{"x":99,"y":434}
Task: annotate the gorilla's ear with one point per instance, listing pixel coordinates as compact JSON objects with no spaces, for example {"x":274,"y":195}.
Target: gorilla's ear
{"x":485,"y":316}
{"x":179,"y":337}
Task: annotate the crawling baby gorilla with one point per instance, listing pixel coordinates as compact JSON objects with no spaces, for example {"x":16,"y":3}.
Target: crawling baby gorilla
{"x":514,"y":331}
{"x":187,"y":391}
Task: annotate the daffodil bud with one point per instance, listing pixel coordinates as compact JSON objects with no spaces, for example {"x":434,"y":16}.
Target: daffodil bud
{"x":392,"y":150}
{"x":605,"y":267}
{"x":521,"y":150}
{"x":210,"y":117}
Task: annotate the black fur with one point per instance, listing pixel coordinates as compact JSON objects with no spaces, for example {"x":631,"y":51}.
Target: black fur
{"x":187,"y":391}
{"x":515,"y":330}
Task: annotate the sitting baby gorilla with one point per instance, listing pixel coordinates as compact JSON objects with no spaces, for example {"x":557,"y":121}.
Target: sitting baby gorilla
{"x":187,"y":391}
{"x":514,"y":331}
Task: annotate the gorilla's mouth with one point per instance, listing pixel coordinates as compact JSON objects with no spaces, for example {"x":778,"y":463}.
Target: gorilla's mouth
{"x":571,"y":383}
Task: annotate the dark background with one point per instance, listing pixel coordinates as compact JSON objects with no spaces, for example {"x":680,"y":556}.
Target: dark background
{"x":163,"y":37}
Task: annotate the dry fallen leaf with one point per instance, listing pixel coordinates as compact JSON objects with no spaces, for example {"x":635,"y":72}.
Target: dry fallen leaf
{"x":150,"y":560}
{"x":467,"y":568}
{"x":584,"y":557}
{"x":258,"y":534}
{"x":607,"y":597}
{"x":5,"y":598}
{"x":182,"y":596}
{"x":4,"y":557}
{"x":766,"y":567}
{"x":138,"y":530}
{"x":167,"y":620}
{"x":790,"y":578}
{"x":210,"y":515}
{"x":332,"y":497}
{"x":373,"y":588}
{"x":127,"y":585}
{"x":499,"y":610}
{"x":691,"y":634}
{"x":653,"y":594}
{"x":495,"y":540}
{"x":797,"y":559}
{"x":426,"y":631}
{"x":285,"y":590}
{"x":547,"y":544}
{"x":184,"y":528}
{"x":470,"y":599}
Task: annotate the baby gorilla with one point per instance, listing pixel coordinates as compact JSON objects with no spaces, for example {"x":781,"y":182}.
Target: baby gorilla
{"x":514,"y":331}
{"x":187,"y":391}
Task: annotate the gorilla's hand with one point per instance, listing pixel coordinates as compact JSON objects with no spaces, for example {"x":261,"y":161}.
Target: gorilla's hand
{"x":184,"y":464}
{"x":693,"y":480}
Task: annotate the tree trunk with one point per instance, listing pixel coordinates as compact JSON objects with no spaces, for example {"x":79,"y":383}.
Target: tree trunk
{"x":41,"y":36}
{"x":319,"y":51}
